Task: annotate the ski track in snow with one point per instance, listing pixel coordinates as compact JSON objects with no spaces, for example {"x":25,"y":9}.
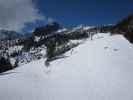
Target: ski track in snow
{"x":99,"y":69}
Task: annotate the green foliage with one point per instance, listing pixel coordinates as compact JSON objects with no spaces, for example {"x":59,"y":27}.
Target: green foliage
{"x":51,"y":47}
{"x":28,"y":43}
{"x":124,"y":24}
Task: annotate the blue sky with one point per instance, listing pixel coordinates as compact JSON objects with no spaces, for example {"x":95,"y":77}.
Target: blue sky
{"x":88,"y":12}
{"x":25,"y":15}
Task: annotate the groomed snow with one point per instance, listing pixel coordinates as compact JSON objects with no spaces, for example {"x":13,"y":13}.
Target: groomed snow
{"x":98,"y":69}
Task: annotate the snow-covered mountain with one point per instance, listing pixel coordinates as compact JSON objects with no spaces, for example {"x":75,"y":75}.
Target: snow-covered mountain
{"x":98,"y":69}
{"x":54,"y":40}
{"x":6,"y":35}
{"x":50,"y":41}
{"x":59,"y":63}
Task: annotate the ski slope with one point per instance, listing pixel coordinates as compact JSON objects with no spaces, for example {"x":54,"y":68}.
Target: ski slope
{"x":98,"y":69}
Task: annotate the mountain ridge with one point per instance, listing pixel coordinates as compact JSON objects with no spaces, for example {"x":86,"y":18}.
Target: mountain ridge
{"x":54,"y":40}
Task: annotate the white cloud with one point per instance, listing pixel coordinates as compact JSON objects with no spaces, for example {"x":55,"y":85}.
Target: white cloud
{"x":15,"y":13}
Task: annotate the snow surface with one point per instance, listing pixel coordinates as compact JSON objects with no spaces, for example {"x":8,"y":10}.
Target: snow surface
{"x":88,"y":27}
{"x":98,"y":69}
{"x":61,"y":30}
{"x":37,"y":38}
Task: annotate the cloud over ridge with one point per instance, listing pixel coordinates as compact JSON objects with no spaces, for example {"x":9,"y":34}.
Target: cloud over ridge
{"x":14,"y":14}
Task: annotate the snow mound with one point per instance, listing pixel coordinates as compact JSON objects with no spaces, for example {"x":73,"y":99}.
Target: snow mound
{"x":98,"y":69}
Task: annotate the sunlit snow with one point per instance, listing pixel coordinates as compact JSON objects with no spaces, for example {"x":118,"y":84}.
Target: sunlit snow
{"x":98,"y":69}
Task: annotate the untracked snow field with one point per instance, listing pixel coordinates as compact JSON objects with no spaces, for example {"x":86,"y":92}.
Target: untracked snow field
{"x":98,"y":69}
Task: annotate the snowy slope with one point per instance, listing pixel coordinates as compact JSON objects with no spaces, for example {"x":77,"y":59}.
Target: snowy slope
{"x":98,"y":69}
